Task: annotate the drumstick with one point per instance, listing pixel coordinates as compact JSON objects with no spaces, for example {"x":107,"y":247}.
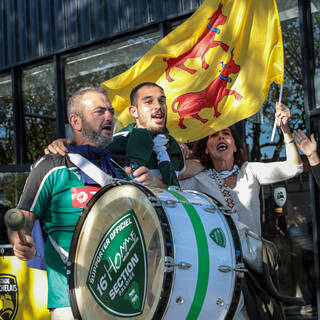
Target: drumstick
{"x":276,"y":122}
{"x":15,"y":220}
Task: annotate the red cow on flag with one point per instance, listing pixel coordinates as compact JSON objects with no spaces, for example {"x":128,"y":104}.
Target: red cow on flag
{"x":204,"y":43}
{"x":190,"y":104}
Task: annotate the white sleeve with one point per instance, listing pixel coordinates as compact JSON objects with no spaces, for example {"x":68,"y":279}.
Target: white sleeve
{"x":182,"y":170}
{"x":272,"y":172}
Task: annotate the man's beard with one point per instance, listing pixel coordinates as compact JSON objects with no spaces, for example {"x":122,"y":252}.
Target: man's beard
{"x":95,"y":137}
{"x":158,"y":129}
{"x":154,"y":127}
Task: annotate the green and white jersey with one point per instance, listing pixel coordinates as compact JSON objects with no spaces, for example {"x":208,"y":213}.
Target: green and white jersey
{"x":54,"y":191}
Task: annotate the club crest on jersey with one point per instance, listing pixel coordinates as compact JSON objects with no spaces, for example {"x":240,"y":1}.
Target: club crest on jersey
{"x":9,"y":295}
{"x":81,"y":195}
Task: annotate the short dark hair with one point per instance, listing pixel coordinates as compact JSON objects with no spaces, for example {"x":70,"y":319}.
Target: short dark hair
{"x":133,"y":94}
{"x":240,"y":155}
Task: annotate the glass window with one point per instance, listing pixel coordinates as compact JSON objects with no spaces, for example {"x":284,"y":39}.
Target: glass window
{"x":6,"y":121}
{"x":11,"y":186}
{"x":93,"y":67}
{"x":39,"y":109}
{"x":171,"y":25}
{"x":315,"y":9}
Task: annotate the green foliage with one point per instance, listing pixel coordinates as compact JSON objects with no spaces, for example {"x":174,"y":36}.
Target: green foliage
{"x":258,"y":135}
{"x":39,"y":110}
{"x":6,"y":130}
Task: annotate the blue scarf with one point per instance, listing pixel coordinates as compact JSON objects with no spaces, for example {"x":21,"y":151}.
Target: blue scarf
{"x":98,"y":156}
{"x":224,"y":173}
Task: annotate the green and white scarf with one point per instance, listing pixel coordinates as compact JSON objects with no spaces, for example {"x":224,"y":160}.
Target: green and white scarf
{"x":138,"y":145}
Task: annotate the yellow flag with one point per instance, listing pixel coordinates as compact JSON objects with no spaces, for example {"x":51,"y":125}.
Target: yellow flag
{"x":215,"y":68}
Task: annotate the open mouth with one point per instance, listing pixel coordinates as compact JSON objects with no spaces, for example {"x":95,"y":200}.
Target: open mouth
{"x":158,"y":117}
{"x":222,"y":147}
{"x":107,"y":128}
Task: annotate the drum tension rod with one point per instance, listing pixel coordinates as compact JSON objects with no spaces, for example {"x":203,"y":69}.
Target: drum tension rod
{"x":169,"y":264}
{"x":239,"y":269}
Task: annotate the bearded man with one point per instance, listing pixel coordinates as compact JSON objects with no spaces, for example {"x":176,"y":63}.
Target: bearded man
{"x":59,"y":187}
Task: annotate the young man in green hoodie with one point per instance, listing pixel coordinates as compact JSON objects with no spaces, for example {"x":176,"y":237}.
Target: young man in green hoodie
{"x":155,"y":157}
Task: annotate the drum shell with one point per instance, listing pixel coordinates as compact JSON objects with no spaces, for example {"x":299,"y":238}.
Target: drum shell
{"x":191,"y":220}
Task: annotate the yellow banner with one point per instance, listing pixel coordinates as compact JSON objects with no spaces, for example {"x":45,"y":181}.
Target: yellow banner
{"x":23,"y":291}
{"x":215,"y":68}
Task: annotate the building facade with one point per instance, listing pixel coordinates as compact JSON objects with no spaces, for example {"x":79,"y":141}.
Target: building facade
{"x":48,"y":49}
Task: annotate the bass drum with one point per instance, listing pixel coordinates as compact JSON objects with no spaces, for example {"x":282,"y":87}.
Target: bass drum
{"x":154,"y":254}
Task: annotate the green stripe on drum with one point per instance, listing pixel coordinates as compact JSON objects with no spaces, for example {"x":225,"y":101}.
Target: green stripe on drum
{"x":203,"y":258}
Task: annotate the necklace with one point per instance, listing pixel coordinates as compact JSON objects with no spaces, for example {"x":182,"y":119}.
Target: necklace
{"x":213,"y":174}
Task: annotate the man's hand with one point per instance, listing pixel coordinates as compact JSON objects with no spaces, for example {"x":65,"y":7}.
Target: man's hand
{"x":22,"y":251}
{"x":307,"y":146}
{"x":144,"y":176}
{"x":193,"y":167}
{"x":58,"y":146}
{"x":186,"y":152}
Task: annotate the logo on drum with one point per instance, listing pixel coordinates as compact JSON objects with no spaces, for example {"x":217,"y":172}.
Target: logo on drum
{"x":117,"y":278}
{"x":8,"y":296}
{"x":218,"y":236}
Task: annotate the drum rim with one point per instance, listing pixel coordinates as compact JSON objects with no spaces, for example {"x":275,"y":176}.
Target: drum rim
{"x":168,"y":277}
{"x":72,"y":252}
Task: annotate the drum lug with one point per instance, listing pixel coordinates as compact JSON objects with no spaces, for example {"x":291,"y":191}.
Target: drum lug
{"x":158,"y":203}
{"x":167,"y":203}
{"x":210,"y":209}
{"x":220,"y":302}
{"x":225,"y":268}
{"x":184,"y":265}
{"x":170,"y":203}
{"x":239,"y":269}
{"x":170,"y":265}
{"x":179,"y":300}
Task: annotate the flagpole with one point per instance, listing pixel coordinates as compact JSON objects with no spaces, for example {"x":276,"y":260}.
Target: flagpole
{"x":276,"y":122}
{"x":115,"y":122}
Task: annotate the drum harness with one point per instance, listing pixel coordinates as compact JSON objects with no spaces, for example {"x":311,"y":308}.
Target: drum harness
{"x":104,"y":179}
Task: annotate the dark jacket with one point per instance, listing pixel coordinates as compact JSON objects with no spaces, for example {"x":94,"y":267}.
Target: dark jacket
{"x":263,"y":300}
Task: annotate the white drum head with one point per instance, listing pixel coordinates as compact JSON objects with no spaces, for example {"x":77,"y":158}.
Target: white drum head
{"x":117,"y":257}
